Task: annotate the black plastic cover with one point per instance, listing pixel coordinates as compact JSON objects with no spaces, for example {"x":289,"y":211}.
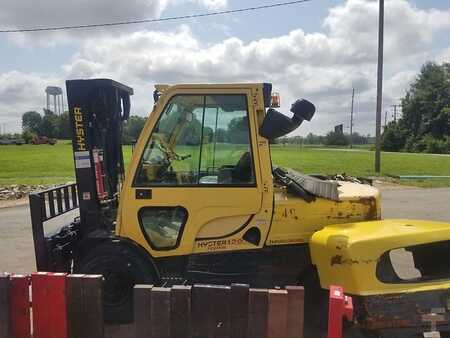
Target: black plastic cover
{"x":276,"y":124}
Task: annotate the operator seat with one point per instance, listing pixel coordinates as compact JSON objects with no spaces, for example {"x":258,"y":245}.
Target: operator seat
{"x":243,"y":172}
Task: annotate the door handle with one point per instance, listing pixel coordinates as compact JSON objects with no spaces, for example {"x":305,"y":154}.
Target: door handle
{"x":143,"y":194}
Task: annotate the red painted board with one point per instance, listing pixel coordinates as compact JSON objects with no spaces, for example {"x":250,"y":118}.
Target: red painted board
{"x":58,"y":305}
{"x":49,"y":305}
{"x":20,"y":307}
{"x":39,"y":304}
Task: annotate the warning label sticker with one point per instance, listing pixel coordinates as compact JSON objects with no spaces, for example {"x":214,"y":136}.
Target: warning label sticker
{"x":82,"y":159}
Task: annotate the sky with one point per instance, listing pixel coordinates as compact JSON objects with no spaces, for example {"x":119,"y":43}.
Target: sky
{"x":317,"y":50}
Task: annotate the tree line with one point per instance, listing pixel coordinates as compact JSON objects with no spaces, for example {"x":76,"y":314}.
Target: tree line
{"x":423,"y":127}
{"x":425,"y":122}
{"x":331,"y":139}
{"x":58,"y":126}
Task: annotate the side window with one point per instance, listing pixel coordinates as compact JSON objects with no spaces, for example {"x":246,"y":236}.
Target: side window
{"x":163,"y":225}
{"x":226,"y":156}
{"x":171,"y":156}
{"x":199,"y":140}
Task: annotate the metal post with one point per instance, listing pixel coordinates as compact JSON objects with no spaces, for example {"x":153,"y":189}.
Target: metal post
{"x":48,"y":102}
{"x":379,"y":87}
{"x":54,"y":104}
{"x":62,"y":101}
{"x":385,"y":118}
{"x":351,"y":119}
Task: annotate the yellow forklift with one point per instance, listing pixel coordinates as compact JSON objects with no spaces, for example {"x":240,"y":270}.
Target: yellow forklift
{"x":201,"y":202}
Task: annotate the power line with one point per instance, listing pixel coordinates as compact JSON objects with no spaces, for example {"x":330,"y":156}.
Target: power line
{"x":171,"y":18}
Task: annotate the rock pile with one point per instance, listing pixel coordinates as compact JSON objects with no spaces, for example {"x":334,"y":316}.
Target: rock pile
{"x":18,"y":191}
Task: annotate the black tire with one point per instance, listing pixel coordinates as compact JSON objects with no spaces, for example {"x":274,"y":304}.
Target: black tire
{"x":122,"y":267}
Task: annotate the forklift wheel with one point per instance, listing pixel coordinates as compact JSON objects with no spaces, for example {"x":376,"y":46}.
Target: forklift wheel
{"x":122,"y":267}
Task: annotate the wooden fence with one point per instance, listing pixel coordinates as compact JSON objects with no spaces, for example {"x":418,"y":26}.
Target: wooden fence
{"x":56,"y":305}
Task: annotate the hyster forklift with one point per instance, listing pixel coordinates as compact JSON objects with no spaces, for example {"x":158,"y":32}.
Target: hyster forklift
{"x":202,"y":203}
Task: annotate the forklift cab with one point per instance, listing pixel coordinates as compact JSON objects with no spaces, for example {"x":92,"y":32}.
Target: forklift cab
{"x":200,"y":177}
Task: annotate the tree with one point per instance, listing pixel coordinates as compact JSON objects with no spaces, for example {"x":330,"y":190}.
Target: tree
{"x":336,"y":139}
{"x":238,"y":130}
{"x":426,"y":106}
{"x":63,"y":126}
{"x":49,"y":125}
{"x":425,"y":122}
{"x":31,"y":121}
{"x":28,"y":136}
{"x":132,"y":128}
{"x":393,"y":138}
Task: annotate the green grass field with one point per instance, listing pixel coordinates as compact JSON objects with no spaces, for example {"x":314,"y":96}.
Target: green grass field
{"x":44,"y":164}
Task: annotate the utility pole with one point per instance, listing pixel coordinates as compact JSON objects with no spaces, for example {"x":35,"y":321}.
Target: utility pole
{"x":379,"y":87}
{"x":395,"y":111}
{"x":351,"y":119}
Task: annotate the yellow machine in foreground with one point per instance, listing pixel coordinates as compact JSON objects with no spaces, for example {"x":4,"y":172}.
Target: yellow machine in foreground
{"x":202,"y":203}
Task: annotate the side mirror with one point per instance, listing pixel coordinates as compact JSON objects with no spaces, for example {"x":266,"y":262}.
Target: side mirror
{"x":276,"y":124}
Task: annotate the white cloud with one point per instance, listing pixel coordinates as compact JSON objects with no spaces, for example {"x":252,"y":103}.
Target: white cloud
{"x":321,"y":66}
{"x":22,"y":13}
{"x":21,"y":92}
{"x":443,"y":55}
{"x":16,"y":14}
{"x":213,"y":4}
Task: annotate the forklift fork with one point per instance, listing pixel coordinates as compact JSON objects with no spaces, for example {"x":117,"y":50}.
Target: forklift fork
{"x":53,"y":250}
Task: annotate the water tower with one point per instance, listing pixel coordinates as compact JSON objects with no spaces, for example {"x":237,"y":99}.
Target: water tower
{"x":58,"y":99}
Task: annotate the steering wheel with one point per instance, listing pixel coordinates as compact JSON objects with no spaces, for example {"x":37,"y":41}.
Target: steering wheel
{"x":168,"y":152}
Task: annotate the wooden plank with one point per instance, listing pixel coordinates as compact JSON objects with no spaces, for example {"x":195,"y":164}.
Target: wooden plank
{"x":142,"y":311}
{"x":93,"y":306}
{"x":58,"y":305}
{"x":180,"y":315}
{"x":120,"y":331}
{"x":257,"y":312}
{"x":296,"y":300}
{"x":277,"y":314}
{"x":239,"y":313}
{"x":75,"y":311}
{"x":41,"y":318}
{"x":49,"y":305}
{"x":5,"y":320}
{"x":20,"y":307}
{"x":160,"y":312}
{"x":211,"y":311}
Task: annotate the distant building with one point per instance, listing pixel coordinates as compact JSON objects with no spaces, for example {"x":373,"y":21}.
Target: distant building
{"x":339,"y":129}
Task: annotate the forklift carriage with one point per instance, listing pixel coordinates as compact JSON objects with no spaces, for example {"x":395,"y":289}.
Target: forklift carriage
{"x":97,"y":109}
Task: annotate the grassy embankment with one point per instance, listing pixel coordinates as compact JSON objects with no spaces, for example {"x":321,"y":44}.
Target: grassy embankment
{"x":44,"y":164}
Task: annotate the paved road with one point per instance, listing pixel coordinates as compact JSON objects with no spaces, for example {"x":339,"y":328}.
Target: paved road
{"x":417,"y":203}
{"x":16,"y":246}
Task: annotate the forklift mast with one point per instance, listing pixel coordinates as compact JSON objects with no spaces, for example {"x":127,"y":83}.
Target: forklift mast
{"x":97,"y":109}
